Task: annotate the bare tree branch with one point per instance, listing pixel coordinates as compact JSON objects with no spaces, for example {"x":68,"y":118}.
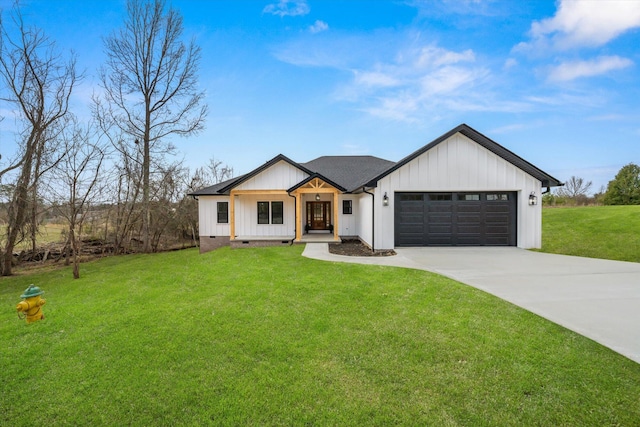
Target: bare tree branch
{"x":38,"y":85}
{"x":151,"y":85}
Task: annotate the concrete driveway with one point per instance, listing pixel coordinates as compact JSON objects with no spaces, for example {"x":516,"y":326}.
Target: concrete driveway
{"x":598,"y":299}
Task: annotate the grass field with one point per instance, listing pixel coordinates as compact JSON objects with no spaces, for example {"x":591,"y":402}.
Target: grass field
{"x":266,"y":337}
{"x":608,"y":232}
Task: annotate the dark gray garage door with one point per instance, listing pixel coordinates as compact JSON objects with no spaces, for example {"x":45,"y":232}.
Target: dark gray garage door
{"x":455,"y":219}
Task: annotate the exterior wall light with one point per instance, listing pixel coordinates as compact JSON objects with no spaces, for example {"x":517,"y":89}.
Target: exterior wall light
{"x":385,"y":199}
{"x":533,"y":199}
{"x":317,"y":197}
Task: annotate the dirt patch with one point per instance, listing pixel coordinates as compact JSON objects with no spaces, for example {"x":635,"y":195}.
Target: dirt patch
{"x":356,"y":248}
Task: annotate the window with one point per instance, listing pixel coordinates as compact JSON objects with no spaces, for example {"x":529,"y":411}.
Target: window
{"x":410,"y":197}
{"x":277,"y":213}
{"x":263,"y":212}
{"x":347,"y":207}
{"x":469,"y":197}
{"x":439,"y":197}
{"x":498,"y":196}
{"x":223,"y":212}
{"x":277,"y":216}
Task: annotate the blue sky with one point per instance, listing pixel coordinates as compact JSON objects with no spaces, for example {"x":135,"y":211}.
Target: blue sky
{"x":558,"y":83}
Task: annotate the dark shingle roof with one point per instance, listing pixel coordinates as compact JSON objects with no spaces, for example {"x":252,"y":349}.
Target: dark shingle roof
{"x":347,"y":173}
{"x":350,"y":172}
{"x":214,"y":190}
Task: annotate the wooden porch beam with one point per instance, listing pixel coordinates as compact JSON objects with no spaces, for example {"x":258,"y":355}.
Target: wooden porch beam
{"x":317,"y":190}
{"x":245,"y":192}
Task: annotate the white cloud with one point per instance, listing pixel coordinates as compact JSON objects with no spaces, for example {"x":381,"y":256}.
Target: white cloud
{"x":418,"y":80}
{"x":583,"y":24}
{"x":287,"y":8}
{"x":575,"y":69}
{"x":447,"y":80}
{"x":374,"y":79}
{"x":510,"y":63}
{"x":401,"y":78}
{"x":432,"y":56}
{"x":318,"y":27}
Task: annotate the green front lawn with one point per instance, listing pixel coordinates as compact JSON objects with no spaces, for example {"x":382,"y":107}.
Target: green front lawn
{"x":266,"y":337}
{"x":607,"y":232}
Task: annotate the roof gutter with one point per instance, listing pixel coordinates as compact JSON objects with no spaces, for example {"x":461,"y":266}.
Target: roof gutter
{"x":373,"y":219}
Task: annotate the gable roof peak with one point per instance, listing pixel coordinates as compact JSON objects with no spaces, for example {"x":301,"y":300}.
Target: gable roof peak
{"x":484,"y":141}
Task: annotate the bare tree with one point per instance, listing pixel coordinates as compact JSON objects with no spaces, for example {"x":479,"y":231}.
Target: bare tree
{"x":187,"y":212}
{"x":38,"y":85}
{"x":167,"y":193}
{"x":574,"y":188}
{"x":217,"y":171}
{"x":150,"y":86}
{"x":76,"y":182}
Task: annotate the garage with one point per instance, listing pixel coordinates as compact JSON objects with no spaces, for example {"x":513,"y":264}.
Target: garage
{"x":455,"y":219}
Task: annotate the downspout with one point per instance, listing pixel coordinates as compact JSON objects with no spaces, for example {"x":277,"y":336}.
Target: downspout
{"x":295,"y":220}
{"x":373,"y":219}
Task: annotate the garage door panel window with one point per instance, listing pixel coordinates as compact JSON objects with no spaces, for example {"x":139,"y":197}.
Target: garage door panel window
{"x":411,"y":197}
{"x":468,"y":197}
{"x":494,"y":197}
{"x":440,"y":197}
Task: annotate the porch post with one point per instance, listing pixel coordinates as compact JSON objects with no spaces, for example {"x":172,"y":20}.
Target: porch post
{"x":335,"y":215}
{"x":298,"y":216}
{"x":232,"y":214}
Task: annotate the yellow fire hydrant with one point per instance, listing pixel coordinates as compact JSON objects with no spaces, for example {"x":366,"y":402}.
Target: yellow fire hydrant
{"x":32,"y":304}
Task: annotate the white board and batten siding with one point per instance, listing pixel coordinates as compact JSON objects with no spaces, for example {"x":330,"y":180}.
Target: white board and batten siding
{"x":208,"y":216}
{"x":365,"y":218}
{"x":348,"y":223}
{"x":246,"y":207}
{"x":459,"y":164}
{"x":280,"y":176}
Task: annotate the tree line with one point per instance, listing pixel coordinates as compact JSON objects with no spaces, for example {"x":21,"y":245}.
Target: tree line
{"x":114,"y":168}
{"x":624,"y":189}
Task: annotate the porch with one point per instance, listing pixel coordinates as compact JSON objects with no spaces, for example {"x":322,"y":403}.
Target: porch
{"x":265,"y":217}
{"x":257,"y":241}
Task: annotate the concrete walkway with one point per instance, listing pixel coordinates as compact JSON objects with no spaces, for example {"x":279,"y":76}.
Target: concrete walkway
{"x":596,"y":298}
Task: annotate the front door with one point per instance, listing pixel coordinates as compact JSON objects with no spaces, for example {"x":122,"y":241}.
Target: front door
{"x":318,"y":215}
